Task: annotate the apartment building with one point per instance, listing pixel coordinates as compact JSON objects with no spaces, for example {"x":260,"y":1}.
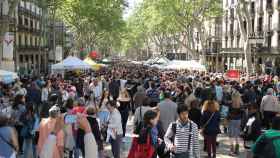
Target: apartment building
{"x":265,"y":27}
{"x":31,"y":44}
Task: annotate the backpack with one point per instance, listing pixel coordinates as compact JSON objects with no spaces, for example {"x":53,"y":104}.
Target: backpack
{"x":174,"y":130}
{"x":265,"y":147}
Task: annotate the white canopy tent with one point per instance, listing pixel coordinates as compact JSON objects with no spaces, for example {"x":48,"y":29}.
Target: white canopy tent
{"x":157,"y":60}
{"x":181,"y":64}
{"x":71,"y":63}
{"x":7,"y":76}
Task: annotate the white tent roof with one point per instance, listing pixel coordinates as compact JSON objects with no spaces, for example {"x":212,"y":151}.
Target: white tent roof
{"x":71,"y":63}
{"x":190,"y":65}
{"x":162,"y":60}
{"x":7,"y":76}
{"x":157,"y":60}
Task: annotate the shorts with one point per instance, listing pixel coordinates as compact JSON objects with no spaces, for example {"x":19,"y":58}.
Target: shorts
{"x":234,"y":128}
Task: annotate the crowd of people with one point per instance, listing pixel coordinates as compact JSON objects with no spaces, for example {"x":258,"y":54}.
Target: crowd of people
{"x":74,"y":116}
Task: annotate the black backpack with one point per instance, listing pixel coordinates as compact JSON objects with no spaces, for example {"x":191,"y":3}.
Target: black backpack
{"x":265,"y":148}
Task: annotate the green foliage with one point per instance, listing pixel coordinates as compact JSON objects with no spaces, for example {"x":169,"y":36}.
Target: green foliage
{"x":161,"y":21}
{"x":96,"y":23}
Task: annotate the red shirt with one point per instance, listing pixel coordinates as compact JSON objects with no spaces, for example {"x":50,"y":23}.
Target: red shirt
{"x":79,"y":109}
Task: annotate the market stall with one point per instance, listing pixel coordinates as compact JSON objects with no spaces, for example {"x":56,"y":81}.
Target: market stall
{"x":70,"y":63}
{"x":7,"y":76}
{"x":94,"y":66}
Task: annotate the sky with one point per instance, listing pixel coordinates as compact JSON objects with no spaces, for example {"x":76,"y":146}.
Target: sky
{"x":132,"y":4}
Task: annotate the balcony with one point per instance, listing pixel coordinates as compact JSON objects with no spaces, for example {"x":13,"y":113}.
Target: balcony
{"x":211,"y":51}
{"x":28,"y":12}
{"x":262,"y":49}
{"x":232,"y":50}
{"x":7,"y":19}
{"x":28,"y":47}
{"x":269,"y":7}
{"x":22,"y":28}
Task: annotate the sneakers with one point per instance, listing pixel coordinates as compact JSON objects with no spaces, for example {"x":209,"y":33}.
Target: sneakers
{"x":234,"y":150}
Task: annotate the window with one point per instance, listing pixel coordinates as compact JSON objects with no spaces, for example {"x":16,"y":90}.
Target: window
{"x":31,"y":23}
{"x":1,"y":8}
{"x":260,"y":24}
{"x":21,"y":58}
{"x":20,"y":21}
{"x":19,"y":40}
{"x":31,"y":41}
{"x":245,"y":25}
{"x":269,"y":41}
{"x":26,"y":21}
{"x":253,"y":7}
{"x":26,"y":41}
{"x":238,"y":41}
{"x":231,"y":29}
{"x":270,"y":22}
{"x":226,"y":42}
{"x":253,"y":25}
{"x":232,"y":13}
{"x":231,"y":42}
{"x":26,"y":58}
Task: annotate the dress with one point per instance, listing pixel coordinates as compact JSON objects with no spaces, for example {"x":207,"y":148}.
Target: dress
{"x":46,"y":127}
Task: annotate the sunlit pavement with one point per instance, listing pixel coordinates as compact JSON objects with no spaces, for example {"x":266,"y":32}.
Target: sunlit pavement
{"x":222,"y":151}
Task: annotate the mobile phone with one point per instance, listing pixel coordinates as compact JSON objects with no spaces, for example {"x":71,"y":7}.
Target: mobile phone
{"x":70,"y":119}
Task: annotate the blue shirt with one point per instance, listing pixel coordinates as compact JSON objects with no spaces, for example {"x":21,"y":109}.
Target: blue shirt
{"x":219,"y":93}
{"x":6,"y":150}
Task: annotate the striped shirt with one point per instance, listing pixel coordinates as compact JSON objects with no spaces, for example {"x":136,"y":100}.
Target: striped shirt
{"x":181,"y":139}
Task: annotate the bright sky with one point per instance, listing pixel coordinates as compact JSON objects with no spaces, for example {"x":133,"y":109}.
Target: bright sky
{"x":132,"y":4}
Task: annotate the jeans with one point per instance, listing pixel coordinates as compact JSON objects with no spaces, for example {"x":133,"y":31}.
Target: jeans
{"x":28,"y":148}
{"x":116,"y":146}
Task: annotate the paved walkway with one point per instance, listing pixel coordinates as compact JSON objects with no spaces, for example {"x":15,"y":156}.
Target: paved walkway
{"x":222,"y":151}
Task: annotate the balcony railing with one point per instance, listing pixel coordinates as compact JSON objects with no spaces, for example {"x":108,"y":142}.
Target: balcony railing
{"x":28,"y":47}
{"x":269,"y":7}
{"x":26,"y":11}
{"x":7,"y":19}
{"x":262,"y":49}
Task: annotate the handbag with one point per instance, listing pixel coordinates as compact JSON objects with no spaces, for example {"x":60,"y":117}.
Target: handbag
{"x":138,"y":150}
{"x":207,"y":122}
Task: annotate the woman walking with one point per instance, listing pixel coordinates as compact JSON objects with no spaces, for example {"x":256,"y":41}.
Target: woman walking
{"x":210,"y":121}
{"x":124,"y":101}
{"x":115,"y":132}
{"x":234,"y":122}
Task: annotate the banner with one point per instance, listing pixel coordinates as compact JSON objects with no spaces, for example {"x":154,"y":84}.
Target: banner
{"x":8,"y":46}
{"x":233,"y":74}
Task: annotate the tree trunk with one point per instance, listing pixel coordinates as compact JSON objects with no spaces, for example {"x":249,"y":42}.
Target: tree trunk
{"x":248,"y":58}
{"x":243,"y":14}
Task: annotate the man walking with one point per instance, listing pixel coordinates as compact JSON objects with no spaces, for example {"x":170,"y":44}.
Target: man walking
{"x":167,"y":109}
{"x":181,"y":136}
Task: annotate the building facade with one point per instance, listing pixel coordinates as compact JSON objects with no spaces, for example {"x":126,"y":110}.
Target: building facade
{"x":265,"y":26}
{"x":213,"y":28}
{"x":31,"y":44}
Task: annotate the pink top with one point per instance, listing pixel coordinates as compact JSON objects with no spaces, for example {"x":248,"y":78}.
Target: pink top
{"x":46,"y":127}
